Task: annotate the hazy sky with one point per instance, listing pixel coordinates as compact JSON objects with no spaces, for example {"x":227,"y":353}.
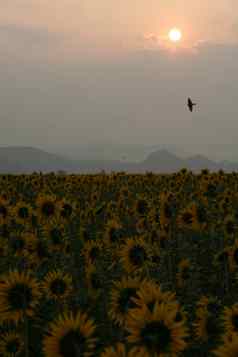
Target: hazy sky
{"x":83,"y":72}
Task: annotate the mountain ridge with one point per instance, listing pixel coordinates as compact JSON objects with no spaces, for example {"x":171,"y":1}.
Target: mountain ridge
{"x":28,"y":159}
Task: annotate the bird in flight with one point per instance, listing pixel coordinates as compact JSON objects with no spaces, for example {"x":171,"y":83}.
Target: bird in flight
{"x":191,"y":104}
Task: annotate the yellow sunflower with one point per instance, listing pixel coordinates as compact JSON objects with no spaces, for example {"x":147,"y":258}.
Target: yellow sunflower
{"x":55,"y":233}
{"x":19,"y":295}
{"x":135,"y":254}
{"x":38,"y":251}
{"x":4,"y":210}
{"x":94,"y":280}
{"x":156,"y":333}
{"x":70,"y":336}
{"x":92,"y":250}
{"x":67,"y":210}
{"x":119,"y":350}
{"x":187,"y":218}
{"x":229,"y":347}
{"x":233,"y":256}
{"x":230,"y":318}
{"x":229,"y":225}
{"x":47,"y":208}
{"x":57,"y":285}
{"x":150,"y":292}
{"x":113,"y":233}
{"x":121,"y":300}
{"x":22,"y":213}
{"x":184,"y":272}
{"x":206,"y":326}
{"x":11,"y":344}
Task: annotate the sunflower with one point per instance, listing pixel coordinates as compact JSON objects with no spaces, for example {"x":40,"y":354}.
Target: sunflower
{"x":94,"y":280}
{"x":222,"y":258}
{"x":113,"y":232}
{"x":4,"y":210}
{"x":67,"y":210}
{"x":11,"y":344}
{"x":150,"y":292}
{"x":156,"y":333}
{"x":55,"y":233}
{"x":166,"y":210}
{"x":70,"y":336}
{"x":141,"y":206}
{"x":92,"y":250}
{"x":229,"y":347}
{"x":119,"y":350}
{"x":121,"y":300}
{"x":229,"y":225}
{"x":184,"y":272}
{"x":233,"y":256}
{"x":22,"y":213}
{"x":142,"y":225}
{"x":206,"y":326}
{"x":135,"y":254}
{"x":230,"y":318}
{"x":57,"y":285}
{"x":19,"y":295}
{"x":187,"y":218}
{"x":38,"y":251}
{"x":47,"y":208}
{"x":19,"y":243}
{"x":3,"y":248}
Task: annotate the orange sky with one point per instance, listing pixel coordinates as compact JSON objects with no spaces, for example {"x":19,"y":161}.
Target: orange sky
{"x":109,"y":24}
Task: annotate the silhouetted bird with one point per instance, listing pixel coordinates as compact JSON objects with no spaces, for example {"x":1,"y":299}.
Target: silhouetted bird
{"x":191,"y":104}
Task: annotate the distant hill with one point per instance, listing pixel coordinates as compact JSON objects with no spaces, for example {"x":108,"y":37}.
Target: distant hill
{"x":29,"y":159}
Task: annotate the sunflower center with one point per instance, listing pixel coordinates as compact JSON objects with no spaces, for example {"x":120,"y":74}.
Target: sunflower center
{"x":142,"y":207}
{"x":213,"y":307}
{"x":48,"y":208}
{"x":23,"y":212}
{"x":156,"y":336}
{"x":167,"y":210}
{"x":13,"y":346}
{"x":151,"y":305}
{"x":235,"y":321}
{"x":125,"y":302}
{"x":19,"y":296}
{"x":201,"y":214}
{"x":66,"y":211}
{"x":3,"y":211}
{"x":18,"y":244}
{"x":137,"y":255}
{"x":188,"y":218}
{"x":185,"y":273}
{"x":42,"y":250}
{"x":56,"y":236}
{"x":94,"y":252}
{"x":114,"y":234}
{"x":72,"y":344}
{"x":236,"y":255}
{"x":58,"y":287}
{"x":178,"y":317}
{"x":95,"y":281}
{"x":230,"y":227}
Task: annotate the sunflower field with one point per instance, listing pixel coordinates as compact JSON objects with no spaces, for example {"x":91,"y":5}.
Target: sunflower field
{"x":119,"y":265}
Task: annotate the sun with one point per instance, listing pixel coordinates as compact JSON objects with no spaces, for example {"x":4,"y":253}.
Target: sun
{"x":175,"y":35}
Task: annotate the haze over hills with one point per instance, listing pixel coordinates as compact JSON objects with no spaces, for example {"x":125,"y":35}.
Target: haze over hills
{"x":29,"y":159}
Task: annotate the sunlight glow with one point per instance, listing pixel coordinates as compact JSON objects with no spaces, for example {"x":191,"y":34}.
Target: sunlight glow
{"x":175,"y":35}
